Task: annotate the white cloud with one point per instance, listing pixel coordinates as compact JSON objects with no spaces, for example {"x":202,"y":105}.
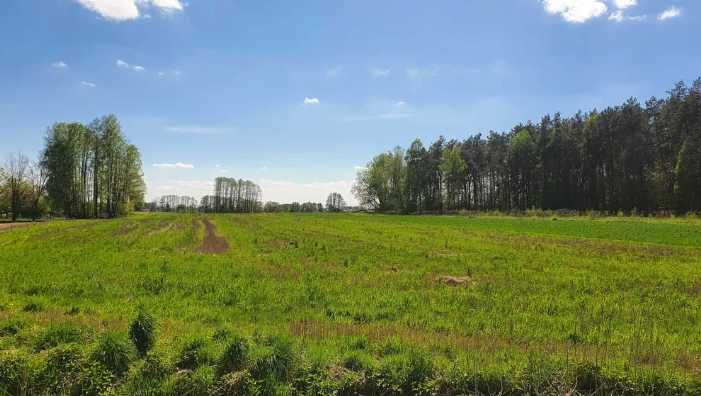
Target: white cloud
{"x":311,"y":101}
{"x":124,"y":65}
{"x":672,"y":12}
{"x":576,"y":11}
{"x":400,"y":103}
{"x":623,"y":4}
{"x":125,"y":10}
{"x":59,"y":65}
{"x":177,"y":165}
{"x":376,"y":72}
{"x":88,"y":84}
{"x":168,"y":5}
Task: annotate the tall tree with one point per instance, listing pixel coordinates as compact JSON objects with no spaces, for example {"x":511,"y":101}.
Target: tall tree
{"x":16,"y":167}
{"x":335,"y":202}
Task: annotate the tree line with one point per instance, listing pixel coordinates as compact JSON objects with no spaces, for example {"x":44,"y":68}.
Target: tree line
{"x":84,"y":171}
{"x":240,"y":196}
{"x":629,"y":158}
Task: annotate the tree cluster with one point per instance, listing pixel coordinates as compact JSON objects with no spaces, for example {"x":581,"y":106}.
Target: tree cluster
{"x":233,"y":196}
{"x":22,"y":188}
{"x":92,"y":170}
{"x":335,"y":202}
{"x":174,"y":203}
{"x":294,"y":207}
{"x":625,"y":158}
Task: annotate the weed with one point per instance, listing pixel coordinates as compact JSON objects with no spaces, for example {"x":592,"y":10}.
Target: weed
{"x":141,"y":332}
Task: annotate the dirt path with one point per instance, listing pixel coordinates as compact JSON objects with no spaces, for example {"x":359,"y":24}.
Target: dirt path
{"x":212,"y":243}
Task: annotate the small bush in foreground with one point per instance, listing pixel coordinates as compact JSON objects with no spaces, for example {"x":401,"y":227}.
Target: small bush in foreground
{"x":274,"y":359}
{"x":11,"y":328}
{"x":234,"y":356}
{"x":236,"y":383}
{"x":141,"y":332}
{"x":56,"y":335}
{"x":194,"y":354}
{"x":114,"y":353}
{"x":16,"y":373}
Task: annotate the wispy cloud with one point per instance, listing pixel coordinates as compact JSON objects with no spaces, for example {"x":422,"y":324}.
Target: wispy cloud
{"x":620,"y":16}
{"x":311,"y":101}
{"x":177,"y":165}
{"x":125,"y":65}
{"x":418,"y":73}
{"x":169,"y":73}
{"x":670,"y":13}
{"x":88,"y":84}
{"x":125,"y":10}
{"x":59,"y":65}
{"x":377,"y":72}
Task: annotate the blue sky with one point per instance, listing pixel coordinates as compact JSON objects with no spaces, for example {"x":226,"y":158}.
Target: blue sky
{"x":296,"y":95}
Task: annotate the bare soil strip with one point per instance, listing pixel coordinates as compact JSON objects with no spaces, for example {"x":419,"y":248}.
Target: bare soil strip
{"x":212,"y":243}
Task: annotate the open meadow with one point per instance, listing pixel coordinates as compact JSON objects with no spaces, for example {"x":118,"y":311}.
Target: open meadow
{"x":351,"y":303}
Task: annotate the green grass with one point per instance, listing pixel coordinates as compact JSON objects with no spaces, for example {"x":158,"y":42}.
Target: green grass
{"x":553,"y":302}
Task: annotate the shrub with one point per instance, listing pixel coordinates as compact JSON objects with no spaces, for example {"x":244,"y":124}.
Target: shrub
{"x":63,"y":369}
{"x":221,"y":335}
{"x":16,"y":372}
{"x":96,"y":379}
{"x":191,"y":383}
{"x":194,"y":354}
{"x":274,"y":359}
{"x":11,"y":328}
{"x":234,"y":356}
{"x":153,"y":367}
{"x":56,"y":335}
{"x":236,"y":383}
{"x":141,"y":332}
{"x":418,"y":369}
{"x":113,"y":353}
{"x":356,"y":361}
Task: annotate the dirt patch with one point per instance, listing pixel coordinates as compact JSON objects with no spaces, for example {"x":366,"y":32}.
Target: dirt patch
{"x":164,"y":226}
{"x":125,"y":229}
{"x":212,"y":243}
{"x":9,"y":226}
{"x":455,"y":281}
{"x":696,"y":289}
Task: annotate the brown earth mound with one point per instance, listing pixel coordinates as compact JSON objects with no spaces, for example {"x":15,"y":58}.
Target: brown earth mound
{"x":212,"y":243}
{"x":455,"y":280}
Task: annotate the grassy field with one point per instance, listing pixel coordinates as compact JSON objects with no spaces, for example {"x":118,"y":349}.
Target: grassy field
{"x":347,"y":304}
